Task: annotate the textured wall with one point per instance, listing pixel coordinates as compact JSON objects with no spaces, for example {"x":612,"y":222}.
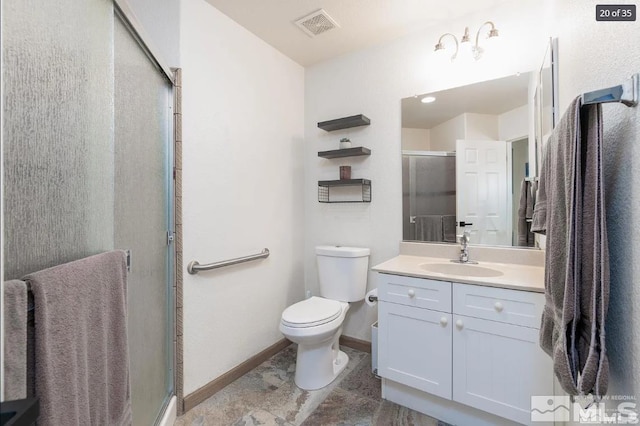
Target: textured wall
{"x":445,"y":134}
{"x":372,"y":82}
{"x":594,"y":55}
{"x":243,"y":113}
{"x":416,"y":139}
{"x":481,"y":126}
{"x":514,"y":124}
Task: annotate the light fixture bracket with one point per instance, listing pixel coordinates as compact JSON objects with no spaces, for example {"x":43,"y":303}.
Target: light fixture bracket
{"x":476,"y":50}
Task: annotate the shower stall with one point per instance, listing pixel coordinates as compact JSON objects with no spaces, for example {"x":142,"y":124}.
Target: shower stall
{"x":88,"y":165}
{"x":429,"y":196}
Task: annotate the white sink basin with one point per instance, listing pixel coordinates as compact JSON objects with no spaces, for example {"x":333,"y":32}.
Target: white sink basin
{"x":461,"y":270}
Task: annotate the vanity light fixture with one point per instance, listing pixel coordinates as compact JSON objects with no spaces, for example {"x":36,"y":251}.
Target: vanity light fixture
{"x":465,"y":42}
{"x":428,"y":99}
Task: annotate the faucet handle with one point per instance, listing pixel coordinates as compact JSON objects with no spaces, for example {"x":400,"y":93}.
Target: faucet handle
{"x":465,"y":237}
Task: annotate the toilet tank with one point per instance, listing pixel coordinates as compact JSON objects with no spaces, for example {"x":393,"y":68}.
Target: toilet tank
{"x":342,"y":272}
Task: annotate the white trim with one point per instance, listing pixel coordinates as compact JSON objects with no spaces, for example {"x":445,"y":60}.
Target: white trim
{"x":2,"y":225}
{"x":170,"y":414}
{"x":510,"y":192}
{"x":430,"y":153}
{"x":125,"y":10}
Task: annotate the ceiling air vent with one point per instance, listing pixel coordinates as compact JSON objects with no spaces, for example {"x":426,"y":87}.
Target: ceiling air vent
{"x":316,"y":23}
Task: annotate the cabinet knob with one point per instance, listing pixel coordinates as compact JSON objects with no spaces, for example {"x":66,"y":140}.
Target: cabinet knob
{"x":459,"y":324}
{"x":498,"y":307}
{"x":411,"y":293}
{"x":444,"y":321}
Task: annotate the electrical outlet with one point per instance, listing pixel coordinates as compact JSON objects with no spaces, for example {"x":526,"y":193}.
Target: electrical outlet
{"x":308,"y":294}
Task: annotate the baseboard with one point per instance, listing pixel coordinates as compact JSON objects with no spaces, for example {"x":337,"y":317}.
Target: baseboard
{"x":170,"y":415}
{"x":215,"y":385}
{"x":352,"y":342}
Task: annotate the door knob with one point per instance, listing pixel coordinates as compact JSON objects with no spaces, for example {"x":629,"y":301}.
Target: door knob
{"x":411,"y":293}
{"x":459,"y":324}
{"x":498,"y":307}
{"x":444,"y":321}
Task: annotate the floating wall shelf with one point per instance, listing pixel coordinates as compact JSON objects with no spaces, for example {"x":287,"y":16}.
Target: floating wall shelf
{"x":324,"y":190}
{"x":344,"y":123}
{"x":347,"y":152}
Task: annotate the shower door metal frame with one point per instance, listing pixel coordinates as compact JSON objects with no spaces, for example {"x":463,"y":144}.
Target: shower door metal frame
{"x":124,"y":12}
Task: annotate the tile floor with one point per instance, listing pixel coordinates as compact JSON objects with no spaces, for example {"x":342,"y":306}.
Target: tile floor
{"x":267,"y":395}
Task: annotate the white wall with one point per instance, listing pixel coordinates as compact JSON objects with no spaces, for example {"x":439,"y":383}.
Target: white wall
{"x":481,"y":126}
{"x":444,"y":135}
{"x":243,"y":115}
{"x":415,"y":139}
{"x":514,"y":124}
{"x":372,"y":82}
{"x":161,"y":22}
{"x":595,"y":55}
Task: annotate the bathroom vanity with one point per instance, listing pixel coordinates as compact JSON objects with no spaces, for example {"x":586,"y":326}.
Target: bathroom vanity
{"x":460,"y":342}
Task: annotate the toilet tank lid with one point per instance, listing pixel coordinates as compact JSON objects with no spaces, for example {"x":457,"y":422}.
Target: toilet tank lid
{"x":341,"y":251}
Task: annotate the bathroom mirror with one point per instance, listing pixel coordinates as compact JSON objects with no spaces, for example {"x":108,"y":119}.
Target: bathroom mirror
{"x":466,"y":154}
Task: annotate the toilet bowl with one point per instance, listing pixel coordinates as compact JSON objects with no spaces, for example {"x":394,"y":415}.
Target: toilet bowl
{"x":315,"y":324}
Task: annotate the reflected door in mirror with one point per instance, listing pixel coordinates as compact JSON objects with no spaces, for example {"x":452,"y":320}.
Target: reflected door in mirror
{"x":482,"y":196}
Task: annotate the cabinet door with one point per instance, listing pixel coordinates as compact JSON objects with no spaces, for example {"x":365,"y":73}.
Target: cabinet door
{"x":414,"y":347}
{"x":497,"y":367}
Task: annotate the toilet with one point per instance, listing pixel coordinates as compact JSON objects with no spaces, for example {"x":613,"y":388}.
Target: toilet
{"x":315,"y":324}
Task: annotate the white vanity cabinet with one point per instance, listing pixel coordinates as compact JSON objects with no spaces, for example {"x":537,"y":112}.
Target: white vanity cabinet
{"x":470,"y":344}
{"x":415,"y":340}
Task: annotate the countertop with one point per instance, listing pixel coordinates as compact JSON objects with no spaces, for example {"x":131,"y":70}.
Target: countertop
{"x":514,"y":276}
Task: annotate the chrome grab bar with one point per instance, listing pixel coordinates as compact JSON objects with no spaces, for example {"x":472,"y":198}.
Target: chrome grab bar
{"x":194,"y":267}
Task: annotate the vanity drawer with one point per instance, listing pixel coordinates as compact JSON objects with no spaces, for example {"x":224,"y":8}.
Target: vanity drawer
{"x":418,"y":292}
{"x":498,"y":304}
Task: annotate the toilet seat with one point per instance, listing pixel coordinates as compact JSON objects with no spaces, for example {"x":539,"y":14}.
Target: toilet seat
{"x":311,"y":312}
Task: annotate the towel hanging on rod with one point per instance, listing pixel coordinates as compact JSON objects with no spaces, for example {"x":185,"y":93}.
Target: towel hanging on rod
{"x":626,"y":93}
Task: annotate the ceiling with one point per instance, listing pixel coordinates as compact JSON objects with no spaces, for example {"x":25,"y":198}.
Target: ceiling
{"x":362,"y":23}
{"x":488,"y":97}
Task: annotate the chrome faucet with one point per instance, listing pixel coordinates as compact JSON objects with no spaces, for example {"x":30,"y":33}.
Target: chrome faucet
{"x":464,"y":246}
{"x":465,"y":238}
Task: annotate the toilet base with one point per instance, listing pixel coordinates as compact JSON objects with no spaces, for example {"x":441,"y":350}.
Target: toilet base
{"x":340,"y":363}
{"x":318,"y":367}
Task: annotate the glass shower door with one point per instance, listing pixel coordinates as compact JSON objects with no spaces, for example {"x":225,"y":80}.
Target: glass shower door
{"x":87,"y":149}
{"x":143,"y":141}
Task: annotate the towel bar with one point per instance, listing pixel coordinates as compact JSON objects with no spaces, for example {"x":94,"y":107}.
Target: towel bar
{"x":194,"y":267}
{"x":626,"y":93}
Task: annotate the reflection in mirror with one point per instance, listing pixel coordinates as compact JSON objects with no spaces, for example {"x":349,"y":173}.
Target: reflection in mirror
{"x":545,"y":99}
{"x":466,"y":160}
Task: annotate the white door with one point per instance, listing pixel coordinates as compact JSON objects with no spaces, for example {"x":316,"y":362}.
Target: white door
{"x":414,"y":347}
{"x":481,"y":191}
{"x":498,"y":367}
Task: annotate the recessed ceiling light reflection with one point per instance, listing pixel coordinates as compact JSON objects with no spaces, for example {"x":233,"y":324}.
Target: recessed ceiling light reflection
{"x":427,"y":99}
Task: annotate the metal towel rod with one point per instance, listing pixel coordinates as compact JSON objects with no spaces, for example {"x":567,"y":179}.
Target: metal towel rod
{"x":626,"y":93}
{"x":194,"y":267}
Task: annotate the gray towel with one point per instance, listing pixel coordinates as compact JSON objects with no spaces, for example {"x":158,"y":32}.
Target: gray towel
{"x":594,"y":290}
{"x":82,"y":363}
{"x":525,"y":213}
{"x":429,"y":228}
{"x":522,"y":220}
{"x":15,"y":339}
{"x":449,"y":228}
{"x":570,"y":210}
{"x":531,"y":199}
